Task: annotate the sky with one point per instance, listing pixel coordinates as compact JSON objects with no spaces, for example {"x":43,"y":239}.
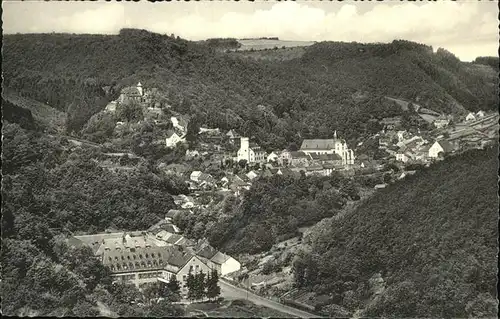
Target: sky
{"x":468,"y":28}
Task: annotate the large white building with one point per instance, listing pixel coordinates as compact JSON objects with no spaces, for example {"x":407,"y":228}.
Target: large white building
{"x":250,"y":153}
{"x":329,"y":146}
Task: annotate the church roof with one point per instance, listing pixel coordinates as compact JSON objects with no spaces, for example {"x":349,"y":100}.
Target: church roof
{"x":318,"y":144}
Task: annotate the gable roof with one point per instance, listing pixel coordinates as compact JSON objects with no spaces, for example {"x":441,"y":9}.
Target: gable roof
{"x":171,"y":213}
{"x":232,"y":134}
{"x":207,"y":252}
{"x":195,"y":174}
{"x":179,"y":258}
{"x":299,"y":154}
{"x":447,"y":147}
{"x":219,"y":258}
{"x":170,"y":133}
{"x":174,"y":239}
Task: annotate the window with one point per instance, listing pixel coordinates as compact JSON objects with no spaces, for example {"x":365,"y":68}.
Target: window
{"x":152,"y":255}
{"x":116,"y":257}
{"x":197,"y":268}
{"x":191,"y":268}
{"x":147,"y":255}
{"x":128,"y":257}
{"x":184,"y":278}
{"x":135,"y":257}
{"x":140,"y":256}
{"x":123,"y":258}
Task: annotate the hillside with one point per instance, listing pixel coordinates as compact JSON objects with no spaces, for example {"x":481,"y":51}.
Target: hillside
{"x":423,"y":247}
{"x":51,"y":189}
{"x":69,"y":72}
{"x":46,"y":116}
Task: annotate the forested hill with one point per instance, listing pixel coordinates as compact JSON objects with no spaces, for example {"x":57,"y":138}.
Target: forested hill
{"x":333,"y":86}
{"x":424,"y":247}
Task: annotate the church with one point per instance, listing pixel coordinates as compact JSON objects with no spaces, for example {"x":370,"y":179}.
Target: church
{"x":329,"y":146}
{"x":251,"y":153}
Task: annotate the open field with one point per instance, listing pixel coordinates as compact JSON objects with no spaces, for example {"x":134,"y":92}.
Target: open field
{"x":258,"y":44}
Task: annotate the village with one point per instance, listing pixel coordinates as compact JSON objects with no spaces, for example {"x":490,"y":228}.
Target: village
{"x":226,"y":163}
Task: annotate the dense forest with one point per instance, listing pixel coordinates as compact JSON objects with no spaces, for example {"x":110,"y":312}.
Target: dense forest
{"x":272,"y":211}
{"x":333,"y":86}
{"x":51,"y":189}
{"x":423,"y":247}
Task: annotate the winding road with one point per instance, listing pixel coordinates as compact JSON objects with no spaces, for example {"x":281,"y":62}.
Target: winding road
{"x":229,"y":291}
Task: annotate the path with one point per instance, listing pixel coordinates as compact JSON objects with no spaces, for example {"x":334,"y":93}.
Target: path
{"x":229,"y":291}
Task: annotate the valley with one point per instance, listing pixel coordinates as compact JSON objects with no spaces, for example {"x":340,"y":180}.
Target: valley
{"x":325,"y":179}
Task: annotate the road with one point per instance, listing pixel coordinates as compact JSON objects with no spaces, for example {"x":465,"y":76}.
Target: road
{"x":229,"y":291}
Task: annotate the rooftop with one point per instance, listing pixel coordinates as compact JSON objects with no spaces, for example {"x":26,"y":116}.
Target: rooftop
{"x":318,"y":144}
{"x":136,"y":260}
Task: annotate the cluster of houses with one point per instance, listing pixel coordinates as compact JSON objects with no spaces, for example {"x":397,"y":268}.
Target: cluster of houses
{"x":475,"y":116}
{"x":158,"y":253}
{"x":414,"y":149}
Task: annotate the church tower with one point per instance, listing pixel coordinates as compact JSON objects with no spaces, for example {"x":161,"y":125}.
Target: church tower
{"x":139,"y":88}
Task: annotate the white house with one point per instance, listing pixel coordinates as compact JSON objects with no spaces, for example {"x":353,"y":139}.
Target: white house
{"x":180,"y":264}
{"x":225,"y":264}
{"x":285,"y":157}
{"x":440,"y":123}
{"x":251,"y":175}
{"x":401,"y":135}
{"x":195,"y":176}
{"x":440,"y":147}
{"x":179,"y":124}
{"x":252,"y":154}
{"x":172,"y":139}
{"x":272,"y":157}
{"x":480,"y":114}
{"x":470,"y":117}
{"x":401,"y":156}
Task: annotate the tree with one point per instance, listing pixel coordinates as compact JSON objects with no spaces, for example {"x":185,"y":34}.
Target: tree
{"x":130,"y":111}
{"x":213,"y":289}
{"x":191,"y":285}
{"x":242,"y":163}
{"x":351,"y":190}
{"x":173,"y":285}
{"x":200,"y":285}
{"x":192,"y":130}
